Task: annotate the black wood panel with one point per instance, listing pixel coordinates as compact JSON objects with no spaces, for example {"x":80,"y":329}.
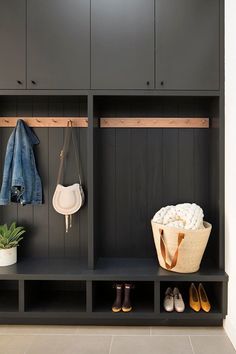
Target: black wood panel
{"x":40,"y":234}
{"x":186,"y":156}
{"x":46,"y":235}
{"x":106,"y":192}
{"x":170,"y":166}
{"x":186,"y":166}
{"x":202,"y":188}
{"x":155,"y":192}
{"x":92,"y":176}
{"x":75,"y":243}
{"x":201,"y":169}
{"x":8,"y":108}
{"x":82,"y":245}
{"x":123,"y":203}
{"x":171,"y":155}
{"x":139,"y":218}
{"x":56,"y":222}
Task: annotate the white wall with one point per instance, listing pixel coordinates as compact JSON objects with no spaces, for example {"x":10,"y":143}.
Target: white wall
{"x":230,"y":172}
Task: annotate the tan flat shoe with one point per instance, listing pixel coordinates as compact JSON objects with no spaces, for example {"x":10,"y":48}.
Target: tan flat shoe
{"x":178,"y":301}
{"x":194,"y":301}
{"x":169,"y":300}
{"x":205,"y":304}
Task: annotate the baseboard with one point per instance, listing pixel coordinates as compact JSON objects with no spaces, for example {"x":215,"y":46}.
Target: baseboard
{"x":230,"y":329}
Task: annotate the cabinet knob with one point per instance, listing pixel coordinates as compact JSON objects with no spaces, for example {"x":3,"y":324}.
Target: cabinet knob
{"x":148,"y":83}
{"x":162,"y":83}
{"x":33,"y":82}
{"x":19,"y":82}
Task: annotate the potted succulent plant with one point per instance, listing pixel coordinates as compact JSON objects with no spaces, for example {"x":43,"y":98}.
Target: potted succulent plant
{"x":9,"y":240}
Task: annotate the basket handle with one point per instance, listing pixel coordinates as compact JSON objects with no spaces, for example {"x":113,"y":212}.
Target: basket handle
{"x":163,"y":250}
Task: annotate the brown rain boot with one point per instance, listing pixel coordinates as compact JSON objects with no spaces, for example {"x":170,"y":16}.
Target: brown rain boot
{"x":118,"y":301}
{"x":126,"y":307}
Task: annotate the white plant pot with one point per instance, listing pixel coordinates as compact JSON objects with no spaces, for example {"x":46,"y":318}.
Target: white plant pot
{"x":8,"y":256}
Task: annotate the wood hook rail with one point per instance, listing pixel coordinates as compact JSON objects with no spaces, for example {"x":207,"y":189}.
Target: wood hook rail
{"x":53,"y":122}
{"x":155,"y":122}
{"x":111,"y":122}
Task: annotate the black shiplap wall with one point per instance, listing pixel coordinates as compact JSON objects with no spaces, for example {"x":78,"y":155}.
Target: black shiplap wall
{"x":142,"y":170}
{"x":45,"y":228}
{"x":138,"y":171}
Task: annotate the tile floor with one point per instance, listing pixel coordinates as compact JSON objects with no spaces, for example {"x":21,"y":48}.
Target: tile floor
{"x":113,"y":340}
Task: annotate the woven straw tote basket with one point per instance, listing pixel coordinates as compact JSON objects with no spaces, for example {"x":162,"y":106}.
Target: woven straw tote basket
{"x":180,"y":250}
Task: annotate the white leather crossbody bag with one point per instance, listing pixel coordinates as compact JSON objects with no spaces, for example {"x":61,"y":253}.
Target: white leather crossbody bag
{"x":67,"y":200}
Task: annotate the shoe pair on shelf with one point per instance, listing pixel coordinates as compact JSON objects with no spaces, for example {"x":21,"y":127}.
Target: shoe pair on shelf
{"x":198,"y":298}
{"x":173,"y":300}
{"x":122,"y":301}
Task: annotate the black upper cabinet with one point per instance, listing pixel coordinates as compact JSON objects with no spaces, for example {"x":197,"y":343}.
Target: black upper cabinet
{"x":58,"y":44}
{"x":12,"y":44}
{"x":135,"y":44}
{"x":122,"y":47}
{"x":187,"y":44}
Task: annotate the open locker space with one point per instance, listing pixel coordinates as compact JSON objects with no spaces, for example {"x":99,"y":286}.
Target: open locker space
{"x":142,"y":296}
{"x":55,"y":296}
{"x":9,"y":296}
{"x":46,"y":237}
{"x":139,"y":170}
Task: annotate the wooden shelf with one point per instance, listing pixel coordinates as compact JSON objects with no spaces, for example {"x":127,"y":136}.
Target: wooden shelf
{"x":158,"y":122}
{"x":55,"y":122}
{"x":149,"y":269}
{"x":106,"y":269}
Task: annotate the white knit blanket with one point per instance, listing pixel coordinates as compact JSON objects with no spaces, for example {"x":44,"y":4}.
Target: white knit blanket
{"x":184,"y":216}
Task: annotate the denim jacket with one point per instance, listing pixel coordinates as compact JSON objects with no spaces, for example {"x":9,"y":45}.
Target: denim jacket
{"x":21,"y":182}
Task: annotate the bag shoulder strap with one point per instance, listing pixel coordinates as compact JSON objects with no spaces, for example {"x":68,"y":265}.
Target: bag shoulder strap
{"x":65,"y":149}
{"x":164,"y":251}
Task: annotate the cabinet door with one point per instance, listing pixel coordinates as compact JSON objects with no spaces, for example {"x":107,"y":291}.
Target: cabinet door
{"x":12,"y":44}
{"x":58,"y":44}
{"x":122,"y":47}
{"x":187,"y":44}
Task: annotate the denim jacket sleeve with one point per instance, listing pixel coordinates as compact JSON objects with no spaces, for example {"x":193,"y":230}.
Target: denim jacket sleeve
{"x":5,"y":194}
{"x":21,"y":182}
